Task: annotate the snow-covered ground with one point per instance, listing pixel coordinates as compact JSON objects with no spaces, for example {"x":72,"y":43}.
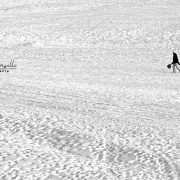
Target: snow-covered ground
{"x":91,"y":98}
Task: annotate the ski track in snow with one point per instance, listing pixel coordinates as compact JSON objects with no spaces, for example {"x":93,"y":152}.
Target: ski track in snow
{"x":91,"y":97}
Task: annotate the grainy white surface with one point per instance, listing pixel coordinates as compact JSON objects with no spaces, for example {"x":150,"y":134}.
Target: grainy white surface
{"x":91,"y":98}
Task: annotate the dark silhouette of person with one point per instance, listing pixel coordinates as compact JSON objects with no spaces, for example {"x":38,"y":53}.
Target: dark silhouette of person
{"x":175,"y":62}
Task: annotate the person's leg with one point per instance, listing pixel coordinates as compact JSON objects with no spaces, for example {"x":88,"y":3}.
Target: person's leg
{"x":174,"y":70}
{"x":177,"y":68}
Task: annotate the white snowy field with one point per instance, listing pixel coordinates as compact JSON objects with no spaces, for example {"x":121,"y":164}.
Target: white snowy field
{"x":91,"y":97}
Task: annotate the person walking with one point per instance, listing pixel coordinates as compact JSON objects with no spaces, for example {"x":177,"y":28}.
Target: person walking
{"x":175,"y":62}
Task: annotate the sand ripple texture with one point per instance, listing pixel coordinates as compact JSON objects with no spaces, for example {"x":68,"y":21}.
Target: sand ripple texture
{"x":58,"y":135}
{"x":76,"y":5}
{"x":91,"y":98}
